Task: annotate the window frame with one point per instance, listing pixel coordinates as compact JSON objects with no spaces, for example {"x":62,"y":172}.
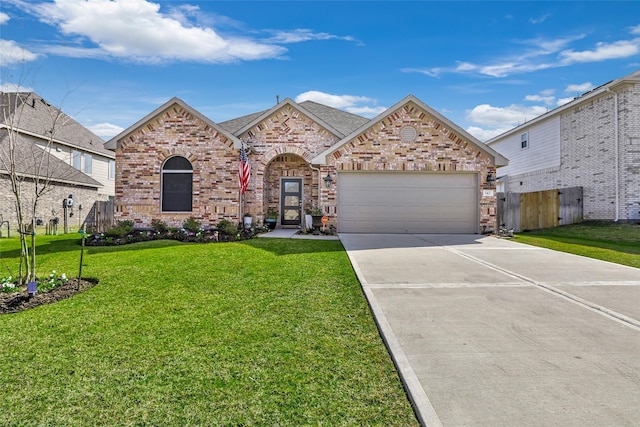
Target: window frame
{"x":164,"y":172}
{"x":112,"y":169}
{"x":88,"y":163}
{"x":524,"y":140}
{"x":76,"y":157}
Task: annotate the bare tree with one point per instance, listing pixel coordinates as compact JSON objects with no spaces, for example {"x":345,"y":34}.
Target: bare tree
{"x":30,"y":167}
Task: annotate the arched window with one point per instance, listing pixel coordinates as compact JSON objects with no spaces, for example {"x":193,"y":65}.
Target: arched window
{"x":177,"y":185}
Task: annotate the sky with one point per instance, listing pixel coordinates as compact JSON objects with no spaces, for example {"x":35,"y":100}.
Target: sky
{"x":486,"y":66}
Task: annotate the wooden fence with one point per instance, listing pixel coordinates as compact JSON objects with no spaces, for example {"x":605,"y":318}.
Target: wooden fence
{"x":100,"y":218}
{"x":540,"y":209}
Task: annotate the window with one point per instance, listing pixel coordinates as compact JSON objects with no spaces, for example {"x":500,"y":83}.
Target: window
{"x":177,"y":185}
{"x":76,"y":159}
{"x":524,"y":140}
{"x":112,"y":169}
{"x":88,"y":163}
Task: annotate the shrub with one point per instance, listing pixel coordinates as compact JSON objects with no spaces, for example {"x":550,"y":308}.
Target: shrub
{"x":121,"y":229}
{"x":191,"y":224}
{"x":227,"y":227}
{"x":159,"y":226}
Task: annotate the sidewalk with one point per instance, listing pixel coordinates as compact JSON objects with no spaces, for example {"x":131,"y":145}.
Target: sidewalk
{"x":290,"y":233}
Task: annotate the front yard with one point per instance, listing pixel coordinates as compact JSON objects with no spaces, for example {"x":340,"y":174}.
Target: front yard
{"x":261,"y":332}
{"x":608,"y":241}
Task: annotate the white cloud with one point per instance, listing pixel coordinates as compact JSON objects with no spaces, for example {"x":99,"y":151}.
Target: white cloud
{"x":137,"y":30}
{"x":486,"y":134}
{"x":541,"y":54}
{"x":303,"y":35}
{"x":4,"y":18}
{"x":562,"y":101}
{"x":11,"y":53}
{"x":546,"y":96}
{"x":539,"y":20}
{"x":581,"y":88}
{"x":512,"y":115}
{"x":14,"y":87}
{"x":603,"y":51}
{"x":105,"y":130}
{"x":354,"y":104}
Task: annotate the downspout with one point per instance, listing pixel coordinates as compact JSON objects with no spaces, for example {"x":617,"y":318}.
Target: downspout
{"x":617,"y":153}
{"x":319,"y":183}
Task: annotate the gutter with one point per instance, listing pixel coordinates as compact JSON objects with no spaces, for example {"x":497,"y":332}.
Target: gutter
{"x":616,"y":133}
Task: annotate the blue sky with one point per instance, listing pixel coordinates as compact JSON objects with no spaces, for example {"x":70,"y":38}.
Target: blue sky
{"x":488,"y":66}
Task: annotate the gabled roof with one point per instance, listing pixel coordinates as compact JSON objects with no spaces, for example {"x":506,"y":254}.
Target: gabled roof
{"x":29,"y":157}
{"x":499,"y":159}
{"x":113,"y":142}
{"x":342,"y":121}
{"x":330,"y":127}
{"x":332,"y":118}
{"x":633,"y":78}
{"x":29,"y":113}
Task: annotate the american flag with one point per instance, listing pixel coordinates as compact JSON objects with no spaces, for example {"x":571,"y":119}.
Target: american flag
{"x":244,"y":171}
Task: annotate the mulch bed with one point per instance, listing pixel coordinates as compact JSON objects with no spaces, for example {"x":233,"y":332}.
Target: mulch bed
{"x":18,"y":301}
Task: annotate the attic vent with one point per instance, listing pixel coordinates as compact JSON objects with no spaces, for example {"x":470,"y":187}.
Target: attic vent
{"x":408,"y":134}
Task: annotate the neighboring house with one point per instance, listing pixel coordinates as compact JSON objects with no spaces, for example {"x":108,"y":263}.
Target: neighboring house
{"x":51,"y":145}
{"x":592,"y":142}
{"x":409,"y":170}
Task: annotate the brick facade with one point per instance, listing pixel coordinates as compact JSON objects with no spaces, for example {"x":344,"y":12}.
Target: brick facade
{"x":588,"y":155}
{"x":436,"y":148}
{"x":281,"y":143}
{"x":50,"y":203}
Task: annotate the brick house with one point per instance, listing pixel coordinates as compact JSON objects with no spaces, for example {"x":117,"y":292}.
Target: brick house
{"x":592,"y":142}
{"x":408,"y":170}
{"x":54,"y":147}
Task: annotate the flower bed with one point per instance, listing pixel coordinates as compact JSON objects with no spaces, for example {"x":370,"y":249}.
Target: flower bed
{"x":124,"y":233}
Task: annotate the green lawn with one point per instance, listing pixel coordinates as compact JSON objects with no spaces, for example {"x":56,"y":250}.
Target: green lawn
{"x":619,"y":243}
{"x":263,"y":332}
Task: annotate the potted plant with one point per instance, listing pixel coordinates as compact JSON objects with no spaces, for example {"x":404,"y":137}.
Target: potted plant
{"x":316,"y":217}
{"x":248,"y":219}
{"x":271,"y":219}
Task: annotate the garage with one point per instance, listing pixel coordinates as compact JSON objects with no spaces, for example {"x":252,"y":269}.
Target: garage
{"x":407,"y":202}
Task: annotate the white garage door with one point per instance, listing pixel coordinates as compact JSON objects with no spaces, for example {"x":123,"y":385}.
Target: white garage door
{"x":399,"y":202}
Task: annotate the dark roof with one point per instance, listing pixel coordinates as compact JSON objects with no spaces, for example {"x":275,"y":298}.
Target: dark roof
{"x":236,"y":124}
{"x":29,"y":157}
{"x":28,"y":112}
{"x":340,"y":120}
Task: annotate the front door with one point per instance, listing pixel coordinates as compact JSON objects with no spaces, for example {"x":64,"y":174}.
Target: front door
{"x":291,"y":201}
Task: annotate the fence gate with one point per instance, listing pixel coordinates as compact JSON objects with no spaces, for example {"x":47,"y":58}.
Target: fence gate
{"x":100,"y":218}
{"x":540,"y":209}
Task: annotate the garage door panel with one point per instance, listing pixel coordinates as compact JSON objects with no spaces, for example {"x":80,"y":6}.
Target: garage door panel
{"x":407,"y":202}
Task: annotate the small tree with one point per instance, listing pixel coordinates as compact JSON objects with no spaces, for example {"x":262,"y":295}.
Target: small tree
{"x":29,"y":167}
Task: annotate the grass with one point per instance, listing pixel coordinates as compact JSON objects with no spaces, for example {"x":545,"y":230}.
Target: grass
{"x":608,"y":241}
{"x":263,"y":332}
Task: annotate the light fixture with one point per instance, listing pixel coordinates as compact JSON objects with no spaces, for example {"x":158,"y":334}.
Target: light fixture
{"x":490,"y":180}
{"x":328,"y":180}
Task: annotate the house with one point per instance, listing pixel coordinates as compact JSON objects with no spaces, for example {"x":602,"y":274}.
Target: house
{"x":409,"y":170}
{"x":592,"y":142}
{"x":51,"y":146}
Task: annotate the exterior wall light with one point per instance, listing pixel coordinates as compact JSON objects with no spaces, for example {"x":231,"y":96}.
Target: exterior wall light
{"x":328,"y":180}
{"x":490,"y":180}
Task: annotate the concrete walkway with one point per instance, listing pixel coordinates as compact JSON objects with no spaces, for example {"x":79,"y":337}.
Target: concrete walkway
{"x":489,"y":332}
{"x":290,"y":233}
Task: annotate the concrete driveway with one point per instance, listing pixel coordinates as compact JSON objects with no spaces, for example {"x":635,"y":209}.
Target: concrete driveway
{"x":489,"y":332}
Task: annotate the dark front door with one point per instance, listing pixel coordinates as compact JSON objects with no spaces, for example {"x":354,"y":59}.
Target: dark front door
{"x":291,"y":201}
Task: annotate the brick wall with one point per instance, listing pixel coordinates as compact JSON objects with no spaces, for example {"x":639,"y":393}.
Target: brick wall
{"x":49,"y":204}
{"x":588,"y":156}
{"x":435,"y":148}
{"x":139,"y":162}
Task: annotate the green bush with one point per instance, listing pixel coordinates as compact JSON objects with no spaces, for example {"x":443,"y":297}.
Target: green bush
{"x":121,"y":229}
{"x":191,"y":224}
{"x":227,"y":227}
{"x":159,"y":226}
